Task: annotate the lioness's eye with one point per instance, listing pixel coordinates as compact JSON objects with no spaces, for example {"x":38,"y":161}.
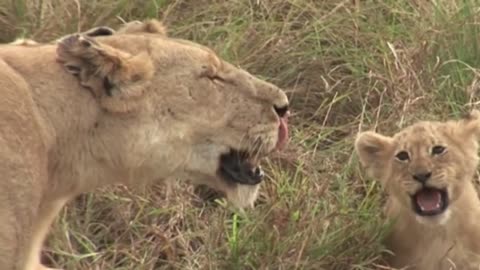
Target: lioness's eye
{"x":217,"y":78}
{"x":438,"y":149}
{"x":402,"y":156}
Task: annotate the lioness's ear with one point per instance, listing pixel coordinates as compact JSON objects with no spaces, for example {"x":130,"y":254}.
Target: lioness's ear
{"x":118,"y":78}
{"x":373,"y":150}
{"x":99,"y":31}
{"x":151,"y":26}
{"x":93,"y":32}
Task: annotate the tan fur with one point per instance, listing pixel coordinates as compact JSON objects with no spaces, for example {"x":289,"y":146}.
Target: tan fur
{"x":452,"y":239}
{"x":24,"y":42}
{"x":150,"y":26}
{"x":174,"y":108}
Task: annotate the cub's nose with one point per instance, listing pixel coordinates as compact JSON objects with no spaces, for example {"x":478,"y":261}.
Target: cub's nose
{"x":422,"y":177}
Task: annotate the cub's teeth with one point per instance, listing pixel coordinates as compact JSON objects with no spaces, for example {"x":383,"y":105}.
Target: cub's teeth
{"x":437,"y":206}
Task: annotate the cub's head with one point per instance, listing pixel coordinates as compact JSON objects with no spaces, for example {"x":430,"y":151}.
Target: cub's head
{"x":174,"y":108}
{"x":426,"y":166}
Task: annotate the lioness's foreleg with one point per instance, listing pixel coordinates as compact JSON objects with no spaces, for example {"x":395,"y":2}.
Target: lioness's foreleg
{"x":46,"y":216}
{"x":10,"y":246}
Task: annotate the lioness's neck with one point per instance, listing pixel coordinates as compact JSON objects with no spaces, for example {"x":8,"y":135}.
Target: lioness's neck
{"x":62,"y":103}
{"x":69,"y":115}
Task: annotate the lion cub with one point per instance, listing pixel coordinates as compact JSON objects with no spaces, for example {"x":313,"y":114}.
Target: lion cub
{"x":427,"y":169}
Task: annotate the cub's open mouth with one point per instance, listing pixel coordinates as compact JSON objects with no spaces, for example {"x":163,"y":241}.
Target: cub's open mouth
{"x":430,"y":201}
{"x":238,"y":167}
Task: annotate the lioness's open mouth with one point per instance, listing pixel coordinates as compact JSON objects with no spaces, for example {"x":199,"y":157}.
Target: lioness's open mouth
{"x":430,"y":201}
{"x":239,"y":167}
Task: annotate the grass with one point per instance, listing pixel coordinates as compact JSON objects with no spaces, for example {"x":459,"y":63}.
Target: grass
{"x":346,"y":65}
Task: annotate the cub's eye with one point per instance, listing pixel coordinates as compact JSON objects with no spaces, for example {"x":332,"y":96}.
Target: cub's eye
{"x":438,"y":150}
{"x":402,"y":156}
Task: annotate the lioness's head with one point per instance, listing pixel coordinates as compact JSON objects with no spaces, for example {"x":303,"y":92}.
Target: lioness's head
{"x":425,"y":166}
{"x":178,"y":109}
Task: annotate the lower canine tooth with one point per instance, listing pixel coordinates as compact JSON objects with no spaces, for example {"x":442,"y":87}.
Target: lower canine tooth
{"x":258,"y":171}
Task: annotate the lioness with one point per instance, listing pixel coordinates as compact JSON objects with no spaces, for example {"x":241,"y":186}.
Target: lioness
{"x":427,"y":170}
{"x":157,"y":108}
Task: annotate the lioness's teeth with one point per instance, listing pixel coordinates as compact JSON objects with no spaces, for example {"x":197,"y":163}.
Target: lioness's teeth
{"x":258,"y":171}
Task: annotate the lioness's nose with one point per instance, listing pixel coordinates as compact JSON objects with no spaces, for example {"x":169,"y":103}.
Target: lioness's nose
{"x":273,"y":95}
{"x":422,"y":177}
{"x":281,"y":110}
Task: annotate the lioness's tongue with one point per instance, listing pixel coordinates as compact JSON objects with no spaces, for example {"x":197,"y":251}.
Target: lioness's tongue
{"x":282,"y":133}
{"x":429,"y":199}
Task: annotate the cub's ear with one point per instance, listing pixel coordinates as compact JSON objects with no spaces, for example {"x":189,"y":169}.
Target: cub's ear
{"x":150,"y":26}
{"x":470,"y":125}
{"x":373,"y":150}
{"x":116,"y":77}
